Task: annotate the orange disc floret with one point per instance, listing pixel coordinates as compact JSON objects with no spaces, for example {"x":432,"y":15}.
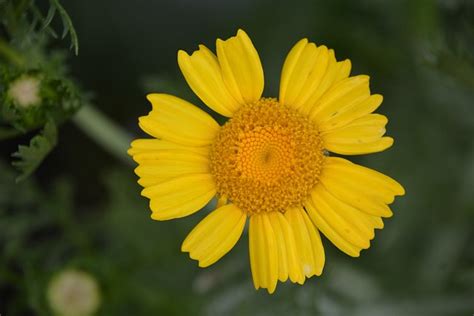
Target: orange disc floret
{"x":267,"y":157}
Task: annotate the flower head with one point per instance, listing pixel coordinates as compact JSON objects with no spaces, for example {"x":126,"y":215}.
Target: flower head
{"x":24,"y":91}
{"x":73,"y":293}
{"x":270,"y":162}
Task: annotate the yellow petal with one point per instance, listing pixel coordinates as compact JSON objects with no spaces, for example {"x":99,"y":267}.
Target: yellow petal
{"x":180,"y":196}
{"x":361,"y":136}
{"x":335,"y":72}
{"x":363,"y":188}
{"x":160,"y":160}
{"x":308,"y":242}
{"x":281,"y":245}
{"x":350,"y":113}
{"x":318,"y":249}
{"x":156,"y":157}
{"x":343,"y":70}
{"x":241,"y":68}
{"x":139,"y":146}
{"x":288,"y":260}
{"x":308,"y":72}
{"x":215,"y":235}
{"x":167,"y":164}
{"x":329,"y":232}
{"x":362,"y":148}
{"x":340,"y":97}
{"x":362,"y":222}
{"x":254,"y":239}
{"x":147,"y":181}
{"x":297,"y":67}
{"x":342,"y":219}
{"x":367,"y":128}
{"x":288,"y":68}
{"x":377,"y":221}
{"x":263,"y":252}
{"x":365,"y":176}
{"x":176,"y":120}
{"x":367,"y":203}
{"x":203,"y":74}
{"x":323,"y":60}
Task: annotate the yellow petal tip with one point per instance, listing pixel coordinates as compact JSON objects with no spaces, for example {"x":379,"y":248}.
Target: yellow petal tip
{"x":182,"y":57}
{"x":185,"y":246}
{"x":154,"y":215}
{"x":402,"y":191}
{"x":152,"y":96}
{"x":241,"y":32}
{"x":271,"y":289}
{"x":389,"y":141}
{"x":201,"y":264}
{"x":361,"y":77}
{"x":302,"y":41}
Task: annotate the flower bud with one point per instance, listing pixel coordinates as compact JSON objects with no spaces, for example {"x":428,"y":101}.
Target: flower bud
{"x":73,"y":293}
{"x":25,"y":91}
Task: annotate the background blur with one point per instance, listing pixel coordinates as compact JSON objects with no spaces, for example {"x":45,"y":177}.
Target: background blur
{"x":82,"y":207}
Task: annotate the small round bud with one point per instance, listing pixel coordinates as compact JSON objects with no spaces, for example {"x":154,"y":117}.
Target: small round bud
{"x":73,"y":293}
{"x":25,"y":91}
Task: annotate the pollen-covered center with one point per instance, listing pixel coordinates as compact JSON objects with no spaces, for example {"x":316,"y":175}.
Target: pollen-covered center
{"x":267,"y":157}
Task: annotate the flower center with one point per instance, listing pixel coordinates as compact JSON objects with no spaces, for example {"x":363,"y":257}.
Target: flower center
{"x":267,"y":157}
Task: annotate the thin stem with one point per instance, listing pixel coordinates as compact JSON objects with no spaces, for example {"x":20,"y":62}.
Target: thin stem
{"x":104,"y":132}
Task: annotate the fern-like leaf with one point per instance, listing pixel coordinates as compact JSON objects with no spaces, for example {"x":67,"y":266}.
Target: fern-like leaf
{"x":31,"y":156}
{"x":68,"y":27}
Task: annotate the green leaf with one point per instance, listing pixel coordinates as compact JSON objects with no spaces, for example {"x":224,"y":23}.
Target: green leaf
{"x":31,"y":156}
{"x":68,"y":27}
{"x":49,"y":17}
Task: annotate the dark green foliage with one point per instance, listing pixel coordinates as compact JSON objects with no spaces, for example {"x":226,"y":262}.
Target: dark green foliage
{"x":68,"y":28}
{"x":30,"y":157}
{"x":25,"y":18}
{"x":26,"y":52}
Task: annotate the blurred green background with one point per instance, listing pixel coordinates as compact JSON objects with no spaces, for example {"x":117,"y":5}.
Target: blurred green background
{"x":82,"y":207}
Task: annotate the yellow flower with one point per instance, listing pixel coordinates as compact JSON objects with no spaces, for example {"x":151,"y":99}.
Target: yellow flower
{"x":270,"y":161}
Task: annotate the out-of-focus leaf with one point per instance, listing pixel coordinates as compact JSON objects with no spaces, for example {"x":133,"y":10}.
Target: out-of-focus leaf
{"x":31,"y":156}
{"x":68,"y":27}
{"x":6,"y":133}
{"x":49,"y":17}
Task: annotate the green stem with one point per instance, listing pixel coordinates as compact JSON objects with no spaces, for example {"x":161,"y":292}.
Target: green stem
{"x":104,"y":132}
